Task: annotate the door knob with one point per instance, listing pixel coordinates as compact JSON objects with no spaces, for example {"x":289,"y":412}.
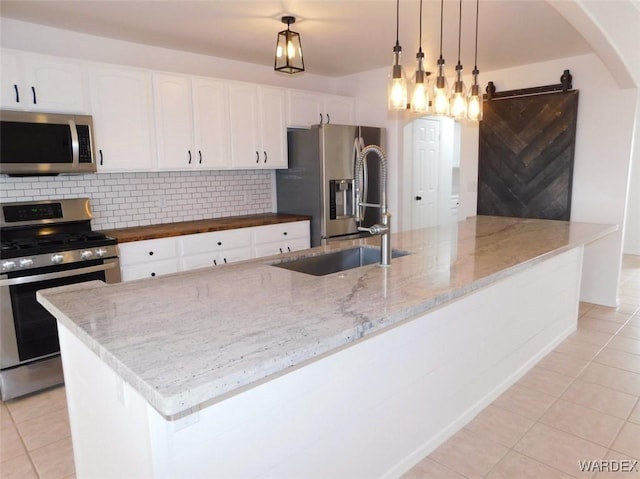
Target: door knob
{"x":418,"y":198}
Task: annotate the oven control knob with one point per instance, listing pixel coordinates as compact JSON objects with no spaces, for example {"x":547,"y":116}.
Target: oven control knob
{"x":8,"y":265}
{"x":86,"y":254}
{"x":57,"y":258}
{"x":100,"y":252}
{"x":26,"y":262}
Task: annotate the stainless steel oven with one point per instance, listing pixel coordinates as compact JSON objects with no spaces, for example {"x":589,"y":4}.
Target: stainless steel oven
{"x":44,"y":245}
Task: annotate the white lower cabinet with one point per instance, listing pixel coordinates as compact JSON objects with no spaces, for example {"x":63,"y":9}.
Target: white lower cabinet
{"x":215,"y":248}
{"x":148,"y":258}
{"x":281,"y":238}
{"x":156,"y":257}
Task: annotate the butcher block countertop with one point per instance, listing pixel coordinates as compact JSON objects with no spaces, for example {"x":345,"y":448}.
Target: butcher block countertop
{"x":189,"y":339}
{"x":139,"y":233}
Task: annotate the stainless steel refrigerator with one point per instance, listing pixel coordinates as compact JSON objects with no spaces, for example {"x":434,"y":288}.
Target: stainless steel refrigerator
{"x":319,"y":181}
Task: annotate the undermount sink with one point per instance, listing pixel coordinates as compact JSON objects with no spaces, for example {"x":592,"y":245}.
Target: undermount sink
{"x":336,"y":261}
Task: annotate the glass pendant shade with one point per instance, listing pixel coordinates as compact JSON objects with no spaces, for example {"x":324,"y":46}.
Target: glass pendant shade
{"x":440,"y":96}
{"x":397,"y":86}
{"x":474,"y":102}
{"x":458,"y":108}
{"x":289,"y":50}
{"x":420,"y":95}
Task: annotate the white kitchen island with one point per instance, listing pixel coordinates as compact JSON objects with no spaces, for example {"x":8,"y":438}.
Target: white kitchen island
{"x":249,"y":370}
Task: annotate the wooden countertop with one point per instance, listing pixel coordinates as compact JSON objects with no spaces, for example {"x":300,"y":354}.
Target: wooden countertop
{"x":139,"y":233}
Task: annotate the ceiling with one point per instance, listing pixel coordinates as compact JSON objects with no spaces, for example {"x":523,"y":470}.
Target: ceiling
{"x":338,"y":37}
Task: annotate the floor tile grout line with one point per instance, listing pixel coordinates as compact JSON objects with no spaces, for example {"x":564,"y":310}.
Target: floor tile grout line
{"x":24,"y":444}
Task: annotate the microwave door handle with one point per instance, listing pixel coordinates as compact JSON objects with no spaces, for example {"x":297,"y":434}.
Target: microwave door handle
{"x":75,"y":144}
{"x":62,"y":274}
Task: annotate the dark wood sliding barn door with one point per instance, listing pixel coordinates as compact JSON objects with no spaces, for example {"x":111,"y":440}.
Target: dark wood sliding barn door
{"x":526,"y":156}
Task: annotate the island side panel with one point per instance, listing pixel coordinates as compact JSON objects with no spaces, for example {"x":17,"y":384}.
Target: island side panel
{"x":373,"y":409}
{"x":108,"y":420}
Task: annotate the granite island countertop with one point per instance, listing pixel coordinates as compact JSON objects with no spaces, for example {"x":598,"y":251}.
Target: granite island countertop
{"x":190,"y":339}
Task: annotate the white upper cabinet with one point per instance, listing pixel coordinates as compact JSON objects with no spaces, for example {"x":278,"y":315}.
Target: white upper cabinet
{"x":122,"y":109}
{"x":191,"y":122}
{"x":42,"y":83}
{"x":258,"y":126}
{"x":308,"y":108}
{"x":211,"y":123}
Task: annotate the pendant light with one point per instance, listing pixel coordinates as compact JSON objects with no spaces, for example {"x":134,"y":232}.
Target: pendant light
{"x":420,"y":96}
{"x":440,"y":102}
{"x":397,"y":86}
{"x":459,"y":92}
{"x":289,"y":50}
{"x":474,"y":102}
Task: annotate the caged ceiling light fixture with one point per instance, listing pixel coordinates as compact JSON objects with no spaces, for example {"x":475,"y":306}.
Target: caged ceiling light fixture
{"x":289,"y":50}
{"x":397,"y":85}
{"x":420,"y":96}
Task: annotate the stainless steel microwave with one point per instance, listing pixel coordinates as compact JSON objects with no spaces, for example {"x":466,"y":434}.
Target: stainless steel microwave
{"x":45,"y":143}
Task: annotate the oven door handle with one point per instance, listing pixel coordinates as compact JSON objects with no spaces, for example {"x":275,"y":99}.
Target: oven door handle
{"x":62,"y":274}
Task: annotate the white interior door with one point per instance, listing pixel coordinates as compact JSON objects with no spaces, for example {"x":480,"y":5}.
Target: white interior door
{"x":425,"y":173}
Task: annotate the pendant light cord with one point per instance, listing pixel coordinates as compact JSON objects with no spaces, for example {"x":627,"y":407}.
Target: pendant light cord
{"x":441,"y":24}
{"x":420,"y":40}
{"x":397,"y":21}
{"x":459,"y":31}
{"x":475,"y":66}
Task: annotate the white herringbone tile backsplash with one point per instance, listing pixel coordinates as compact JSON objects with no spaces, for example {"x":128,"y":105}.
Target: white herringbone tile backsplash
{"x":136,"y":199}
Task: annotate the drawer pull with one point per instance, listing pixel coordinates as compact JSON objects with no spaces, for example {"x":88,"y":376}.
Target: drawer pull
{"x":215,"y":263}
{"x":285,"y":233}
{"x":153,"y":274}
{"x":15,"y":87}
{"x":225,"y":260}
{"x":219,"y":243}
{"x":281,"y":251}
{"x":150,"y":253}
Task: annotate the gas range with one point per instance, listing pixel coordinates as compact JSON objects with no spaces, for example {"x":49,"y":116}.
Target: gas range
{"x":45,"y":233}
{"x":43,"y":244}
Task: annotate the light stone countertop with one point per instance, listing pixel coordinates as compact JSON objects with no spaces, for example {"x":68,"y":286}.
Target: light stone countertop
{"x":189,"y":339}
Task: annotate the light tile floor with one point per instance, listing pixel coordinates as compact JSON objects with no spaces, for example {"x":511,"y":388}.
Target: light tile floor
{"x":581,"y":402}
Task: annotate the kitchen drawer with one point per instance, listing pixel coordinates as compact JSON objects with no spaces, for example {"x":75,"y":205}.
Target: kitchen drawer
{"x":148,"y":251}
{"x":150,"y":270}
{"x":281,"y":232}
{"x":215,"y":241}
{"x":215,"y":258}
{"x":280,"y":247}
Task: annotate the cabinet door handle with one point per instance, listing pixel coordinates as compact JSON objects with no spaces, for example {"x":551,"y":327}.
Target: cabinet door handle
{"x":281,"y":251}
{"x":15,"y":87}
{"x":150,"y":253}
{"x":101,"y":158}
{"x":265,"y":156}
{"x":219,"y":243}
{"x":284,"y":233}
{"x":257,"y":157}
{"x":225,"y":260}
{"x":321,"y":119}
{"x":153,"y":274}
{"x":33,"y":91}
{"x":418,"y":198}
{"x":215,"y":263}
{"x":328,"y":119}
{"x":189,"y":156}
{"x":289,"y":249}
{"x":200,"y":156}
